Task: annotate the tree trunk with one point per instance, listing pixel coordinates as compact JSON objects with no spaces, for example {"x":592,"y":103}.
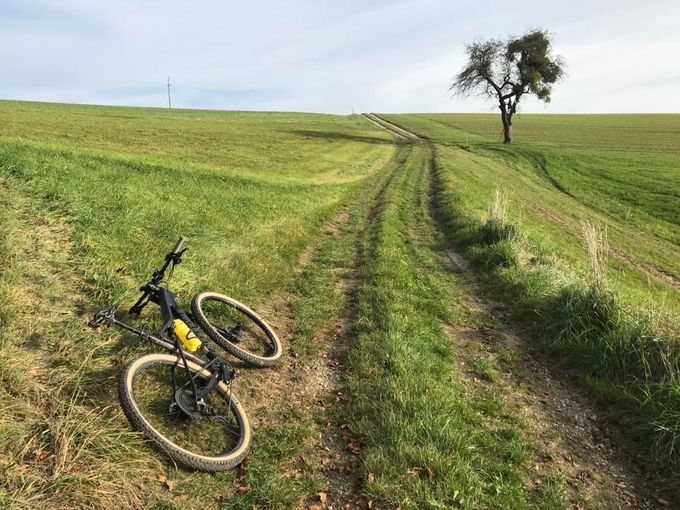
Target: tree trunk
{"x":507,"y":133}
{"x":507,"y":123}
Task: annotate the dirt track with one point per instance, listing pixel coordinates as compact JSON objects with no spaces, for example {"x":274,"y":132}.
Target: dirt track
{"x":574,"y":436}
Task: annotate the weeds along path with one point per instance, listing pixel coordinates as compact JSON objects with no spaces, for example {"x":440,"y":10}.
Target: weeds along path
{"x":514,"y":433}
{"x":651,"y":270}
{"x":60,"y":448}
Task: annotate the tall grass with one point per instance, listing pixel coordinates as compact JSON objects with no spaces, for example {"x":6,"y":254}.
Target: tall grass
{"x":630,"y":356}
{"x":498,"y":213}
{"x":596,"y":243}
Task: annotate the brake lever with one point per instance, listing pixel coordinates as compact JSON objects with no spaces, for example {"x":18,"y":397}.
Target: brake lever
{"x":175,"y":258}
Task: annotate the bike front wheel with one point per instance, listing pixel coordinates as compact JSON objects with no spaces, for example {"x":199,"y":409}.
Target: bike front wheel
{"x":157,"y":397}
{"x":237,"y":329}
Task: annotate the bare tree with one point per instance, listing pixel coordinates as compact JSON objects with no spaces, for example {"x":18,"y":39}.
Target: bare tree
{"x":508,"y":69}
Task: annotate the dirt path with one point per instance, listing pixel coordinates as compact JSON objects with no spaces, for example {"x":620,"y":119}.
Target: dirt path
{"x":567,"y":427}
{"x":312,"y":384}
{"x":399,"y":133}
{"x":571,"y":435}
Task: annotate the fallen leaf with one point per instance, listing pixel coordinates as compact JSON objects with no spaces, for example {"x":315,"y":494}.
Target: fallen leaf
{"x":40,"y":454}
{"x":370,"y":504}
{"x":315,"y":507}
{"x":371,"y":477}
{"x":322,"y":496}
{"x":165,"y":480}
{"x":354,"y":447}
{"x":179,"y":498}
{"x":347,"y":506}
{"x":663,"y":502}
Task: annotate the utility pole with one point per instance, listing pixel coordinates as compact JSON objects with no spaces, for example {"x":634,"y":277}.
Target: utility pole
{"x":169,"y":103}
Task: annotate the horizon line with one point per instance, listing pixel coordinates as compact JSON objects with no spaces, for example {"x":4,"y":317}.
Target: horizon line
{"x":314,"y":112}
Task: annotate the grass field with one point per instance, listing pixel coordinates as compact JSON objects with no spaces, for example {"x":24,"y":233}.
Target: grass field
{"x":92,"y":198}
{"x":592,"y":168}
{"x":620,"y":327}
{"x":398,"y":389}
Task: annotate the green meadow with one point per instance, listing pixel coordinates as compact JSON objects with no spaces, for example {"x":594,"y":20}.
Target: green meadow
{"x":396,"y":389}
{"x":93,"y":197}
{"x":575,"y":230}
{"x":620,"y":171}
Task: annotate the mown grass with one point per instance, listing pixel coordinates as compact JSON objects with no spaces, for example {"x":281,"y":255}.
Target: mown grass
{"x":642,"y":133}
{"x":621,"y":335}
{"x":92,"y":197}
{"x":109,"y":190}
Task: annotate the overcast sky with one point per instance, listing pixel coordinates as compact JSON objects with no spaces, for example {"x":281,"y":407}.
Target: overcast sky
{"x":328,"y":56}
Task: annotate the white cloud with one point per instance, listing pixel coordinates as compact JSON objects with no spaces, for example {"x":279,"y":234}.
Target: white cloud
{"x":327,"y":55}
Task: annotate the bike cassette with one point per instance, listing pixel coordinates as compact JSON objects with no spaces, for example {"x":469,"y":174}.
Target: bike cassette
{"x":184,"y":399}
{"x":233,"y":333}
{"x":187,"y":403}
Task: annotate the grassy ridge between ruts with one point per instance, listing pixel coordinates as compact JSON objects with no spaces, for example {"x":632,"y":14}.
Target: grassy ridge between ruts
{"x":627,"y":351}
{"x":429,"y":439}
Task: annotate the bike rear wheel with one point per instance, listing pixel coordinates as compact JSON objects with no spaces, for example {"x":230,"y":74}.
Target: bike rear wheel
{"x":237,"y":329}
{"x":212,"y":437}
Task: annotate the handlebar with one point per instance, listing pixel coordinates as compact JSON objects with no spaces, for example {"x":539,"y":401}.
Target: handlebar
{"x":178,"y":245}
{"x":174,"y":257}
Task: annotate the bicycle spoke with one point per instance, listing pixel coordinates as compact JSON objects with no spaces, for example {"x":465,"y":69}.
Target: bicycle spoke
{"x":205,"y":435}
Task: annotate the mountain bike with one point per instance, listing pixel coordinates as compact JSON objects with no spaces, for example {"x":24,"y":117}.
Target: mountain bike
{"x":183,"y":401}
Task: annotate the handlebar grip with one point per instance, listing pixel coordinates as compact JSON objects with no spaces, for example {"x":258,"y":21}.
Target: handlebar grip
{"x":179,"y":244}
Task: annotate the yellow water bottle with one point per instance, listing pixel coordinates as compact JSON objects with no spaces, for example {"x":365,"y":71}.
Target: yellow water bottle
{"x":186,"y":336}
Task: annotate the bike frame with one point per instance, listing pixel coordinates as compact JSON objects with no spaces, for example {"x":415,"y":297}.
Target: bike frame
{"x":166,"y":300}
